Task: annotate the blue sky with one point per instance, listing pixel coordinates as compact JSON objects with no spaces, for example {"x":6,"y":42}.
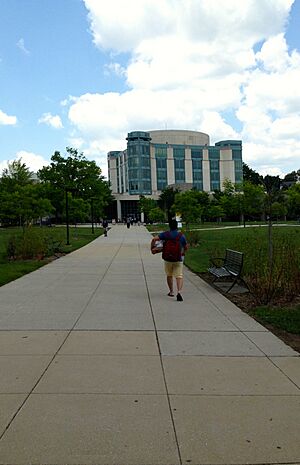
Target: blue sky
{"x":83,"y":73}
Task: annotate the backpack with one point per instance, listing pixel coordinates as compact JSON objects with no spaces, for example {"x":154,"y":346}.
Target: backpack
{"x":172,"y":248}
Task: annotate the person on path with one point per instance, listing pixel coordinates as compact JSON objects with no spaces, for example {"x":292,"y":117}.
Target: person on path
{"x":105,"y":227}
{"x":174,"y":247}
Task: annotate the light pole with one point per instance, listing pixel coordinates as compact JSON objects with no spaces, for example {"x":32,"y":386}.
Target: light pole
{"x":92,"y":214}
{"x":67,"y":217}
{"x":67,"y":190}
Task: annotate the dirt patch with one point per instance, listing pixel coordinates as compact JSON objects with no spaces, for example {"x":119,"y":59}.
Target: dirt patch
{"x":245,"y":302}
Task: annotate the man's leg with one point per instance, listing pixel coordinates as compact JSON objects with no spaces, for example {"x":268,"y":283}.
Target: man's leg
{"x":178,"y":271}
{"x":179,"y":283}
{"x":170,"y":285}
{"x":169,"y":273}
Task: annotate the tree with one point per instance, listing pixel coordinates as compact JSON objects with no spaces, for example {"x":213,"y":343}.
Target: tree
{"x":77,"y":175}
{"x":16,"y":174}
{"x":293,"y":195}
{"x":79,"y":210}
{"x":187,"y":204}
{"x":216,"y":212}
{"x":24,"y":205}
{"x":167,"y":199}
{"x":147,"y":204}
{"x":251,"y":176}
{"x":252,"y":200}
{"x":156,"y":215}
{"x":230,"y":199}
{"x":21,"y":200}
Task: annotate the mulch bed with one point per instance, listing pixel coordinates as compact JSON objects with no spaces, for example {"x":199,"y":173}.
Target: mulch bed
{"x":246,"y":302}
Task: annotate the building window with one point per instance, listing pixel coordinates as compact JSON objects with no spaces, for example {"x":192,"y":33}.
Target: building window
{"x":160,"y":152}
{"x":179,"y":164}
{"x":161,"y":167}
{"x":197,"y":156}
{"x":214,"y":165}
{"x":196,"y":153}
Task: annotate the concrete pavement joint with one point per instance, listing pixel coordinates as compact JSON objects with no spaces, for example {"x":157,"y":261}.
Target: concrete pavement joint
{"x":161,"y":361}
{"x":246,"y":335}
{"x":59,"y":348}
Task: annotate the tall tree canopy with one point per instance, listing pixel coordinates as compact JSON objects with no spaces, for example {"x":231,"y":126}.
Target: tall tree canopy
{"x":250,"y":175}
{"x":75,"y":174}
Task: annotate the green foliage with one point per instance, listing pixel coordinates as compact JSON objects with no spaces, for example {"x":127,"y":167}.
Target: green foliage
{"x":23,"y":205}
{"x":33,"y":243}
{"x":146,"y":204}
{"x":156,"y":215}
{"x":286,"y":318}
{"x":55,"y":238}
{"x":252,"y":199}
{"x":81,"y":177}
{"x":215,"y":212}
{"x":193,"y":238}
{"x":16,"y":174}
{"x":268,"y":284}
{"x":280,"y":278}
{"x":251,"y":176}
{"x":187,"y":204}
{"x":167,"y":199}
{"x":293,"y":198}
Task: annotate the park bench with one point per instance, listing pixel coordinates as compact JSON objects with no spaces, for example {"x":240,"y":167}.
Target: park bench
{"x":231,"y":267}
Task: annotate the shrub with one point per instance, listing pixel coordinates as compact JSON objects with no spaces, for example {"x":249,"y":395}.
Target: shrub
{"x":193,"y":238}
{"x":275,"y":280}
{"x":32,"y":244}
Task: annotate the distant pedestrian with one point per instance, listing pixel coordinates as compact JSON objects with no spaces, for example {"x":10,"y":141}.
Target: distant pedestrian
{"x":105,"y":227}
{"x":128,"y":221}
{"x":174,"y":247}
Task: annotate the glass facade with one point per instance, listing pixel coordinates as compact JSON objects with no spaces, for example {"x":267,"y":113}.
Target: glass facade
{"x":238,"y":164}
{"x":179,"y":164}
{"x":139,"y":169}
{"x":214,"y":168}
{"x":130,"y":170}
{"x":197,"y":157}
{"x":161,"y":167}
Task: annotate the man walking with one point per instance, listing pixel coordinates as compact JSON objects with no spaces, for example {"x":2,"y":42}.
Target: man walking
{"x":174,"y":247}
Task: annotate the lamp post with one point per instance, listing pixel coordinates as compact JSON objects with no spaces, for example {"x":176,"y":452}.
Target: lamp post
{"x":92,"y":214}
{"x":67,"y":190}
{"x":67,"y":217}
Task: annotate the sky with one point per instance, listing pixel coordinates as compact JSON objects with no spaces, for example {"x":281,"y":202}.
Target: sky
{"x":84,"y":73}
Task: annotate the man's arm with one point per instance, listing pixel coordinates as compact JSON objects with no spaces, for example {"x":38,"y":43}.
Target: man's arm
{"x":154,"y":239}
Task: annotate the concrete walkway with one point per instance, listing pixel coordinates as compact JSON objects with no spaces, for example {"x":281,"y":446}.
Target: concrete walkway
{"x":99,"y":367}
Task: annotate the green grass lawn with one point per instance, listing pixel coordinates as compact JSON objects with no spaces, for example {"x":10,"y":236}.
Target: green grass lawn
{"x":215,"y":225}
{"x":286,"y":318}
{"x":214,"y":243}
{"x":11,"y":270}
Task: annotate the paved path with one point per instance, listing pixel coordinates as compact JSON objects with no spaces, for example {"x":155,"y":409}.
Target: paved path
{"x":98,"y":366}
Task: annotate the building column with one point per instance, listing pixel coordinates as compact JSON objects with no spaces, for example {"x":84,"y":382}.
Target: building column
{"x":188,"y":166}
{"x":206,"y":171}
{"x":119,"y":210}
{"x":170,"y":166}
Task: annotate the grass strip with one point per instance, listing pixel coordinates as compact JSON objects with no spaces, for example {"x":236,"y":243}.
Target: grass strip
{"x":285,"y":318}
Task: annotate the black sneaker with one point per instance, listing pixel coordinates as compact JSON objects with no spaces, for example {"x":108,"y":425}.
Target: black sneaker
{"x":179,"y":297}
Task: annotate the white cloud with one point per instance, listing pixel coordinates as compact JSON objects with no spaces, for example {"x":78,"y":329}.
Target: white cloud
{"x":7,"y":120}
{"x":51,"y":120}
{"x":21,"y":46}
{"x":33,"y":161}
{"x":192,"y":62}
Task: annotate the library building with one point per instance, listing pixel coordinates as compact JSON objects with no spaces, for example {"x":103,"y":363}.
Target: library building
{"x":154,"y":160}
